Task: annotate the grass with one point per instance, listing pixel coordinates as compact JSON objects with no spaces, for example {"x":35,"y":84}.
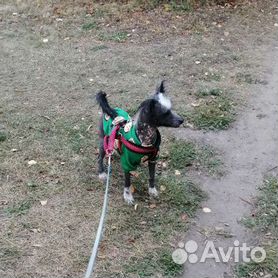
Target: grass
{"x":7,"y":253}
{"x":153,"y":226}
{"x":99,"y":47}
{"x":173,"y":5}
{"x":3,"y":136}
{"x":184,"y":154}
{"x":20,"y":208}
{"x":244,"y":78}
{"x":213,"y":77}
{"x":151,"y":262}
{"x":209,"y":92}
{"x":89,"y":26}
{"x":147,"y":233}
{"x":212,"y":113}
{"x":264,"y":223}
{"x":115,"y":37}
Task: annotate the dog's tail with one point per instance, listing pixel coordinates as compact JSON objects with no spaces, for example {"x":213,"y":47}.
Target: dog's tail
{"x":103,"y":103}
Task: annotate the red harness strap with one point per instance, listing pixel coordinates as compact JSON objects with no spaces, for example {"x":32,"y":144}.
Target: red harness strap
{"x":109,"y":142}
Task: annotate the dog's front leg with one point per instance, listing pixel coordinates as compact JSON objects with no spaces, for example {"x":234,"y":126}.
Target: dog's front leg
{"x":152,"y":190}
{"x":127,"y":190}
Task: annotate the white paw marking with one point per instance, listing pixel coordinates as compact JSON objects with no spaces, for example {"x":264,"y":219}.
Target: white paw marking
{"x":128,"y":197}
{"x":102,"y":176}
{"x":153,"y":192}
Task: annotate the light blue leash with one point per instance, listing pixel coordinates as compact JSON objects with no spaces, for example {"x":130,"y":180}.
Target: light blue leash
{"x":92,"y":260}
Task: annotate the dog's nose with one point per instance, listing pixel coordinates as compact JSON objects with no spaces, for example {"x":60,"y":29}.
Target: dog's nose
{"x":181,"y":120}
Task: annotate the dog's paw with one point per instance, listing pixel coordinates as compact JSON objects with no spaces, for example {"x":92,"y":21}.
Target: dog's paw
{"x":153,"y":192}
{"x":128,"y":197}
{"x":102,"y":176}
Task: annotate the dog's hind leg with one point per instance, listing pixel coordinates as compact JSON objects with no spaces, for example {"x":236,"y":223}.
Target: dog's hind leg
{"x":152,"y":190}
{"x":101,"y":170}
{"x":127,"y":190}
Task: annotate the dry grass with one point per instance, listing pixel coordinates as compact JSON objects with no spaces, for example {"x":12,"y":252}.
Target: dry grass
{"x":46,"y":113}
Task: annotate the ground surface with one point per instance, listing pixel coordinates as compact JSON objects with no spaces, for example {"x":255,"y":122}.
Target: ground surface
{"x":54,"y":58}
{"x":250,"y":151}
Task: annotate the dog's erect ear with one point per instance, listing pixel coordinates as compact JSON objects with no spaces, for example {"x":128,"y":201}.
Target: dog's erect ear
{"x":161,"y":88}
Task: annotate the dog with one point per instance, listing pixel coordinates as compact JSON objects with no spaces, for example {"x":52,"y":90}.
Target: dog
{"x":139,"y":137}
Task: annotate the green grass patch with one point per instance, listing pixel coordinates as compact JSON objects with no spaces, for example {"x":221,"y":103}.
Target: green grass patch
{"x":89,"y":26}
{"x":184,"y":154}
{"x":19,"y":208}
{"x":173,"y":5}
{"x":151,"y":263}
{"x":264,"y":222}
{"x":244,"y":78}
{"x":214,"y":114}
{"x":268,"y":266}
{"x":76,"y":136}
{"x":116,"y":37}
{"x":8,"y":253}
{"x":3,"y":136}
{"x":266,"y":212}
{"x":99,"y":47}
{"x":210,"y":92}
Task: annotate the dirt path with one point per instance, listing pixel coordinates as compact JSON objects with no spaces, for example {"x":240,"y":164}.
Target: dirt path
{"x":250,"y":151}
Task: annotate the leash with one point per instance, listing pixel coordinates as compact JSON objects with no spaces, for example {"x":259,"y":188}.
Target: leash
{"x":92,"y":260}
{"x":108,"y":147}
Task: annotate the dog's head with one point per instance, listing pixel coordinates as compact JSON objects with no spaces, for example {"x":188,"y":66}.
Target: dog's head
{"x":157,"y":112}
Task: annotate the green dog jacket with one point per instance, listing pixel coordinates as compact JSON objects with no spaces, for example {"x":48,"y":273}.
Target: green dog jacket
{"x":129,"y":159}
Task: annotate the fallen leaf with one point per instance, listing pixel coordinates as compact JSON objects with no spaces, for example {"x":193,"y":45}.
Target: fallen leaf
{"x":43,"y":202}
{"x":14,"y":150}
{"x":132,"y":189}
{"x":35,"y":230}
{"x":135,"y":206}
{"x":135,"y":174}
{"x":101,"y":256}
{"x":143,"y":223}
{"x":190,"y":125}
{"x":184,"y":216}
{"x":37,"y":245}
{"x":194,"y":104}
{"x":197,"y":62}
{"x":162,"y":188}
{"x":181,"y":244}
{"x":45,"y":40}
{"x":177,"y":173}
{"x":206,"y":210}
{"x":152,"y":206}
{"x":167,"y":7}
{"x":32,"y":162}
